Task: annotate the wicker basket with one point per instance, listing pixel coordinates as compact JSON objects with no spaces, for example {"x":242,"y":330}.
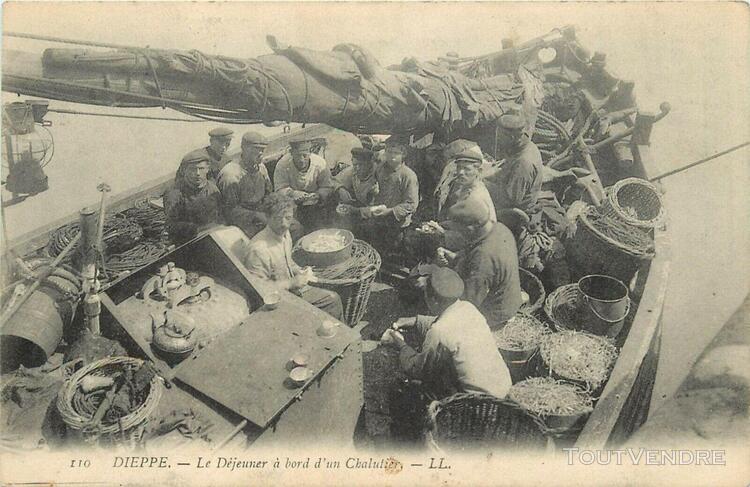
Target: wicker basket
{"x":563,"y":307}
{"x":352,"y":279}
{"x":129,"y":428}
{"x":532,"y":286}
{"x":635,"y":201}
{"x":478,"y":421}
{"x":593,"y":251}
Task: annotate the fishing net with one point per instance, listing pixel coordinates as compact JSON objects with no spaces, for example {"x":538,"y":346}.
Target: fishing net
{"x":546,"y":396}
{"x":579,"y":357}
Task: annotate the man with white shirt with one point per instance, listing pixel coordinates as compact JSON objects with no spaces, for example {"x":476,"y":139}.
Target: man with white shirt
{"x":458,"y":352}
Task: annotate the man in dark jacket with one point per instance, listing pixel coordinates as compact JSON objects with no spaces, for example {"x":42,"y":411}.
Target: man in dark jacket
{"x":245,"y":184}
{"x":488,"y":264}
{"x":193,"y":203}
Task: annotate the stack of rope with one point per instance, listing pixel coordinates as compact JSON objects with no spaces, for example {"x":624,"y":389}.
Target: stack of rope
{"x":120,"y":234}
{"x":152,"y":220}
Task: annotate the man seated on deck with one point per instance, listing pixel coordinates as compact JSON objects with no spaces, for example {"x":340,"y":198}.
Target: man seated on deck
{"x":306,"y":178}
{"x":397,"y":199}
{"x":488,"y":263}
{"x":458,"y":350}
{"x":194,"y":203}
{"x":244,"y":185}
{"x":461,"y":180}
{"x":356,"y":188}
{"x":269,"y":256}
{"x":218,"y":143}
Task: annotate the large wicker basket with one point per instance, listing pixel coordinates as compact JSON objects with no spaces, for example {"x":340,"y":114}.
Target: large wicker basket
{"x":129,"y":428}
{"x":563,"y":307}
{"x":478,"y":421}
{"x":352,"y":279}
{"x":635,"y":201}
{"x":606,"y":245}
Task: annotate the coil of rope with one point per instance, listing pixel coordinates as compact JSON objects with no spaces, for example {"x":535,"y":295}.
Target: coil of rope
{"x":120,"y":234}
{"x":152,"y":220}
{"x":144,"y":253}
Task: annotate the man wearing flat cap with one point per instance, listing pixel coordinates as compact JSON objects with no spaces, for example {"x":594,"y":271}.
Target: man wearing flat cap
{"x":458,"y":350}
{"x":356,"y":185}
{"x":218,"y":143}
{"x":396,"y":201}
{"x":245,"y":184}
{"x":194,"y":203}
{"x":488,"y":263}
{"x":306,"y":178}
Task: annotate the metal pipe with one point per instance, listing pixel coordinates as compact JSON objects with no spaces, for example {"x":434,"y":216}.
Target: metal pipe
{"x":696,"y":163}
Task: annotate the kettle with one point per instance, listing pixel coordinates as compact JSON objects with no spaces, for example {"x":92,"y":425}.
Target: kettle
{"x":173,"y":335}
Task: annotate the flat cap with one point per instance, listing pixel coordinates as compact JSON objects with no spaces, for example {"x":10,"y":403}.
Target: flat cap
{"x":461,"y":146}
{"x":254,"y":138}
{"x":446,"y":283}
{"x":469,"y":212}
{"x":300,"y":144}
{"x":194,"y":157}
{"x":511,"y":121}
{"x":468,"y":155}
{"x":221,"y":132}
{"x":362,"y":153}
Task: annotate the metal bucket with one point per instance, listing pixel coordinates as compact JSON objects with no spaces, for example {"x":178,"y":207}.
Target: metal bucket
{"x":32,"y":334}
{"x":606,"y":304}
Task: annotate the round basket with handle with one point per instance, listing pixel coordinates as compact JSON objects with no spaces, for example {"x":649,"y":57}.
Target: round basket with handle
{"x":563,"y":307}
{"x":352,"y":279}
{"x":78,"y":412}
{"x":636,"y":202}
{"x":532,"y":286}
{"x":467,"y":421}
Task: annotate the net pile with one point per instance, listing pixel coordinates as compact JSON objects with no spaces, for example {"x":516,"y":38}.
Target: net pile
{"x":546,"y":396}
{"x":521,"y":332}
{"x":579,"y":356}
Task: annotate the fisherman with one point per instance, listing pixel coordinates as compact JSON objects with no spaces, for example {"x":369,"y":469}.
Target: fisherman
{"x":488,"y":263}
{"x":396,"y":201}
{"x":519,"y":182}
{"x":458,"y":352}
{"x":194,"y":203}
{"x":244,"y":185}
{"x":461,"y":180}
{"x":356,"y":188}
{"x":307,"y":179}
{"x":218,"y":142}
{"x":269,"y":256}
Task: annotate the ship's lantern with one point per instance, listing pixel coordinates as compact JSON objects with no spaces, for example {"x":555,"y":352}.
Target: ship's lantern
{"x":28,"y":146}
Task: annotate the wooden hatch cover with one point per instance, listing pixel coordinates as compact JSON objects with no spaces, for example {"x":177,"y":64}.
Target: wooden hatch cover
{"x":246,"y":369}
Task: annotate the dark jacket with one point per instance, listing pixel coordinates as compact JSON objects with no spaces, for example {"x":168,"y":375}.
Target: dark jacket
{"x":489,"y":268}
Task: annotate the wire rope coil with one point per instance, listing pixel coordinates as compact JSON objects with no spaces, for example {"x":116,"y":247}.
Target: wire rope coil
{"x":77,"y":411}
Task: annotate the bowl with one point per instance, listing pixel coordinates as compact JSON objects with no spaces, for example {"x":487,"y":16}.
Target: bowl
{"x":300,"y":375}
{"x":271,"y":301}
{"x":300,"y":360}
{"x":308,"y":254}
{"x":327,"y":329}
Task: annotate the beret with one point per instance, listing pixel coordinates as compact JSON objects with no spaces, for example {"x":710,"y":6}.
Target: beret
{"x":221,"y":132}
{"x":512,"y":122}
{"x":362,"y":153}
{"x":469,"y":212}
{"x":254,"y":138}
{"x":446,"y":283}
{"x":194,"y":157}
